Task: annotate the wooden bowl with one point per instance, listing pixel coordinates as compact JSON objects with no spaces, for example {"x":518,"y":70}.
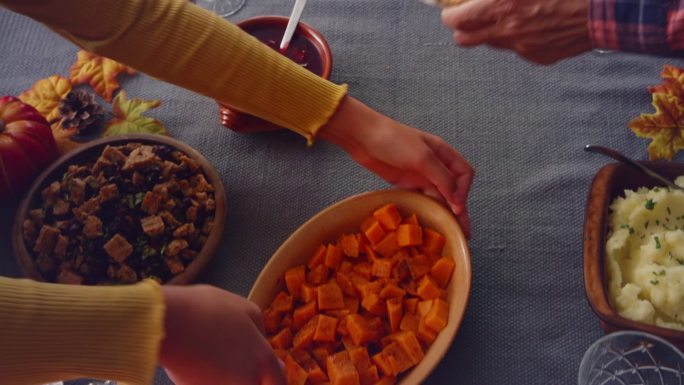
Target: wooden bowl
{"x":345,"y":217}
{"x":609,"y":183}
{"x":88,"y":153}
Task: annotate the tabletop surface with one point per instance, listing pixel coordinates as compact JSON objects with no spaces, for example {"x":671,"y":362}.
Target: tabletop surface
{"x":521,"y":126}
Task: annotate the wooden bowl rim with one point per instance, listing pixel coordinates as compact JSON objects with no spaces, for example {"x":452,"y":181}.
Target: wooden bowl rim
{"x":596,"y":220}
{"x":23,"y":255}
{"x":439,"y":348}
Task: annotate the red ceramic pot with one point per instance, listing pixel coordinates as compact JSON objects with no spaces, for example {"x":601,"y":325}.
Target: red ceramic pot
{"x":308,"y":48}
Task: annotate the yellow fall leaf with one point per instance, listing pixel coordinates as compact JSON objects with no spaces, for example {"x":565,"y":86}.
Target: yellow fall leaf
{"x":45,"y":95}
{"x":664,"y":127}
{"x":128,"y":118}
{"x":98,"y":71}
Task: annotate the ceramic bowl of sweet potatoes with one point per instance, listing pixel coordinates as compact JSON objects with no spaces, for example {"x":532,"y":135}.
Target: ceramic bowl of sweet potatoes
{"x":371,"y":290}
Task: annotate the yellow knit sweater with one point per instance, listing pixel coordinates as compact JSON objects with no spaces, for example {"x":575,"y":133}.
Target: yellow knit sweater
{"x":179,"y":42}
{"x":51,"y":332}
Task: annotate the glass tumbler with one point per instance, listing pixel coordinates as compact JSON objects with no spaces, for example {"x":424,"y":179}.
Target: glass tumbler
{"x":631,"y":358}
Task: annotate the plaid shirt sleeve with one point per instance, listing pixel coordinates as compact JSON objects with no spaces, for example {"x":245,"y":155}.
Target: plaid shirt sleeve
{"x":654,"y":27}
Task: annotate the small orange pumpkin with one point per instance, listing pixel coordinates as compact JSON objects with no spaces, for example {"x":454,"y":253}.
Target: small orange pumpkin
{"x":26,"y":145}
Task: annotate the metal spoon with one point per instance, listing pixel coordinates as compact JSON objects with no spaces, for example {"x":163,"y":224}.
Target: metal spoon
{"x":630,"y":162}
{"x":292,"y":24}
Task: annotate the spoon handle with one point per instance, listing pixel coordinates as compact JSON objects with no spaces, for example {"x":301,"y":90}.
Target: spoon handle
{"x":292,"y":24}
{"x":630,"y":162}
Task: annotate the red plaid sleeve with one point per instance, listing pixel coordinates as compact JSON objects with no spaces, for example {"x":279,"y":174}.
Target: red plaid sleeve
{"x":653,"y":27}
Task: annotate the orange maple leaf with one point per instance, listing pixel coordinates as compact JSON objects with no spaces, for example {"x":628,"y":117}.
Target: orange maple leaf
{"x":664,"y":127}
{"x":673,"y":82}
{"x":100,"y":72}
{"x":45,"y":95}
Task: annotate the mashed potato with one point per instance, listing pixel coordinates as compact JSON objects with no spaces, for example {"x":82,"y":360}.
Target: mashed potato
{"x":645,"y":256}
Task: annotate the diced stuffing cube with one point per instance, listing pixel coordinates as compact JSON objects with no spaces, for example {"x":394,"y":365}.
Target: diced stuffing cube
{"x":108,"y":192}
{"x":184,"y":230}
{"x":118,"y":248}
{"x":46,"y":240}
{"x":61,"y":246}
{"x":77,"y":188}
{"x":113,"y":155}
{"x":152,"y":225}
{"x":92,"y":228}
{"x":151,"y":203}
{"x":175,"y":247}
{"x":140,"y":158}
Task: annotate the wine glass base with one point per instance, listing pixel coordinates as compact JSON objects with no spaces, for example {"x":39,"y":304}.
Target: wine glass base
{"x":223,"y":8}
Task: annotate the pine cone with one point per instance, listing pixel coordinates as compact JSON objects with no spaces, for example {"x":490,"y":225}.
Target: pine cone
{"x":79,"y":109}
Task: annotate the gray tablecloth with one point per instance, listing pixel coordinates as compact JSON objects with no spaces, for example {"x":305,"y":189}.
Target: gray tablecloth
{"x":522,"y":126}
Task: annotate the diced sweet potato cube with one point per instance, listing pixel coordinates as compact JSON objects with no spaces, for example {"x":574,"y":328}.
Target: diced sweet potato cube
{"x":359,"y":357}
{"x":394,"y":313}
{"x":425,"y":334}
{"x":397,"y":358}
{"x":373,"y":287}
{"x":438,"y":315}
{"x":325,"y":329}
{"x":333,"y":256}
{"x":341,"y":370}
{"x":282,"y":340}
{"x":428,"y":288}
{"x":342,"y":327}
{"x":419,"y":265}
{"x":282,"y":303}
{"x":321,"y":353}
{"x":360,"y":331}
{"x":352,"y":304}
{"x":349,"y":243}
{"x":295,"y":277}
{"x":272,"y":320}
{"x":392,"y":291}
{"x":409,"y":286}
{"x":330,"y":297}
{"x":423,"y":308}
{"x":388,"y":245}
{"x":318,"y":257}
{"x":433,"y":242}
{"x":408,"y":342}
{"x":409,"y":323}
{"x":363,"y":269}
{"x":411,"y":220}
{"x":401,"y":271}
{"x":388,"y":216}
{"x":304,"y":337}
{"x":370,"y":253}
{"x":409,"y":235}
{"x":309,"y":293}
{"x":374,"y":233}
{"x":344,"y":282}
{"x":387,"y":380}
{"x":382,"y":268}
{"x":339,"y":314}
{"x":383,"y":364}
{"x":317,"y":275}
{"x":367,"y":223}
{"x":345,"y":267}
{"x":304,"y":313}
{"x":358,"y":281}
{"x":294,"y":374}
{"x":410,"y":305}
{"x":441,"y":271}
{"x":304,"y":359}
{"x":374,"y":304}
{"x":369,"y":376}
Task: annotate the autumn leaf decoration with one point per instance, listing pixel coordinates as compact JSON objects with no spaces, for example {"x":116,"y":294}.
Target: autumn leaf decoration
{"x":665,"y":126}
{"x":101,"y":74}
{"x":128,"y":118}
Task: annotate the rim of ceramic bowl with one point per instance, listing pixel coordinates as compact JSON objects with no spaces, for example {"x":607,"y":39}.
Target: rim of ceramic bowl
{"x":25,"y":258}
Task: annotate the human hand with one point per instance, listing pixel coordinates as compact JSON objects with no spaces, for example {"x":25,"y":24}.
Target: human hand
{"x":542,"y":31}
{"x":215,"y":337}
{"x":404,"y":156}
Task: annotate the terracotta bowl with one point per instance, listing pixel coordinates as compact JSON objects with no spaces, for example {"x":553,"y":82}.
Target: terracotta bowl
{"x":88,"y":153}
{"x":345,"y":217}
{"x":239,"y":121}
{"x":609,"y":183}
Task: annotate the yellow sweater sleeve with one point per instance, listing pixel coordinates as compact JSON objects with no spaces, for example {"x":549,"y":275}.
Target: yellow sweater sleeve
{"x":179,"y":42}
{"x":52,"y":332}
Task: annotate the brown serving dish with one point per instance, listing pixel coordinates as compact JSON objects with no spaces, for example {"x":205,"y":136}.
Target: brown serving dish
{"x":89,"y":153}
{"x":609,"y":183}
{"x":307,"y":47}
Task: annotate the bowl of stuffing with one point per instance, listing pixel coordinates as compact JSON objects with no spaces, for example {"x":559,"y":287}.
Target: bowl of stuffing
{"x":119,"y":210}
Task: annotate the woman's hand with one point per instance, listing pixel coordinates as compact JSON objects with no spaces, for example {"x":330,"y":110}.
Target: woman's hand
{"x":215,"y":337}
{"x":402,"y":155}
{"x":542,"y":31}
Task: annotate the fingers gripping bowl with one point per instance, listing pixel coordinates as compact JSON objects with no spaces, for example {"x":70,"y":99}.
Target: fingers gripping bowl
{"x":121,"y":209}
{"x":344,"y":217}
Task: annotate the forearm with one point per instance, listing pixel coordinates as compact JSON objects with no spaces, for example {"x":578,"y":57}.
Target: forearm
{"x":645,"y":26}
{"x":54,"y":332}
{"x":181,"y":43}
